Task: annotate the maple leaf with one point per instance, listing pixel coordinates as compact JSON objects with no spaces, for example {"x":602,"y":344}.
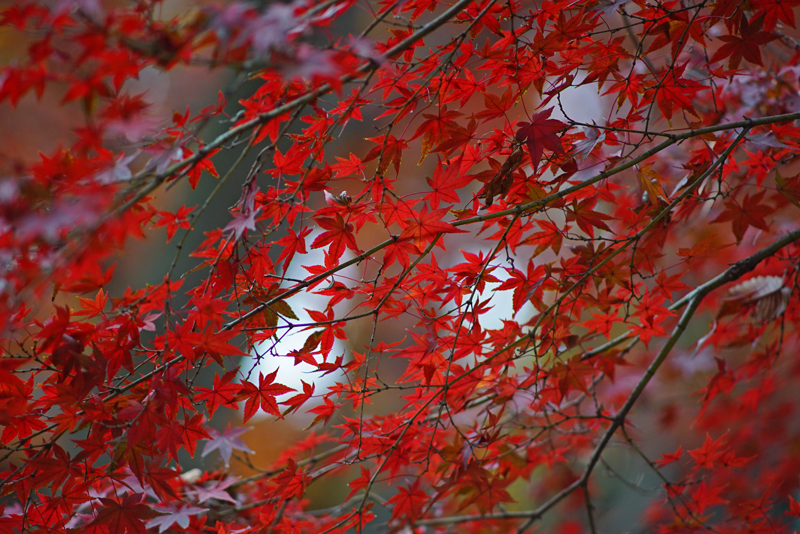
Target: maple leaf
{"x":571,"y":376}
{"x":291,"y":482}
{"x":774,"y":11}
{"x":667,"y":459}
{"x":223,"y":393}
{"x":540,"y":133}
{"x":710,"y":452}
{"x":496,"y":106}
{"x":408,"y":502}
{"x":54,"y":471}
{"x":262,"y":396}
{"x":602,"y":323}
{"x":164,"y":154}
{"x":423,"y":356}
{"x":667,"y":286}
{"x":705,"y":495}
{"x":748,"y":46}
{"x":348,"y":167}
{"x":62,"y":216}
{"x":426,"y":225}
{"x":765,"y":141}
{"x":338,"y":234}
{"x":117,"y":376}
{"x":389,"y":149}
{"x":70,"y":496}
{"x":592,"y":138}
{"x":397,"y":211}
{"x":789,"y":188}
{"x":174,"y":514}
{"x":750,"y":212}
{"x":191,"y":431}
{"x":324,"y":411}
{"x":314,"y":65}
{"x":123,"y":516}
{"x":587,"y":219}
{"x":526,"y":286}
{"x":173,"y":221}
{"x":794,"y":507}
{"x":722,"y":382}
{"x":215,"y":343}
{"x":400,"y":251}
{"x":488,"y":493}
{"x":445,"y":183}
{"x":242,"y":222}
{"x":651,"y":185}
{"x":291,"y":163}
{"x":157,"y":478}
{"x":434,"y":129}
{"x":214,"y":490}
{"x":359,"y":483}
{"x":298,"y":400}
{"x":701,"y":249}
{"x":675,"y":90}
{"x":458,"y":137}
{"x":226,"y":443}
{"x":672,"y":31}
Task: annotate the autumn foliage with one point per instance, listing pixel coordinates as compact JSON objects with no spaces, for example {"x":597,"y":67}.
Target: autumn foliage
{"x":541,"y":258}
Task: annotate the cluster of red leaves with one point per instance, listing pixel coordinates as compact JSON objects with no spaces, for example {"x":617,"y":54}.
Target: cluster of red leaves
{"x":608,"y":243}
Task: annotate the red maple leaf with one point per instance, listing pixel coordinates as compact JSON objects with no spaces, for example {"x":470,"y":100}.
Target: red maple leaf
{"x":338,"y":234}
{"x":389,"y":150}
{"x":399,"y":251}
{"x":774,"y":11}
{"x":348,"y":167}
{"x":710,"y":452}
{"x":173,"y":221}
{"x":794,"y":507}
{"x":223,"y":393}
{"x":434,"y":129}
{"x":496,"y":106}
{"x":215,"y":344}
{"x":408,"y":502}
{"x":125,"y":515}
{"x":748,"y":46}
{"x":602,"y":323}
{"x":667,"y":286}
{"x":445,"y":183}
{"x":298,"y":400}
{"x":588,"y":219}
{"x":674,"y":90}
{"x":571,"y":376}
{"x":750,"y":212}
{"x":324,"y":411}
{"x":539,"y":134}
{"x":705,"y":495}
{"x":292,"y":244}
{"x":291,"y":481}
{"x":262,"y":396}
{"x":426,"y":225}
{"x":667,"y":459}
{"x":360,"y":482}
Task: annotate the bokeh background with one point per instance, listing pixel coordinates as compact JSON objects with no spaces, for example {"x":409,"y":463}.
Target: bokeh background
{"x":43,"y":125}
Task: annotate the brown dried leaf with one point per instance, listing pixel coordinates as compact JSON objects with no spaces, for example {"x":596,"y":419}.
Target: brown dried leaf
{"x":502,"y":181}
{"x":765,"y":293}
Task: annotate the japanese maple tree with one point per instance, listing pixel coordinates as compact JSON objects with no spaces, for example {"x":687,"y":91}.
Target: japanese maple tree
{"x":541,"y":258}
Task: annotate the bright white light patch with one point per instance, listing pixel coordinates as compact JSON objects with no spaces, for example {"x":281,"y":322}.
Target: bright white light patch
{"x":273,"y":354}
